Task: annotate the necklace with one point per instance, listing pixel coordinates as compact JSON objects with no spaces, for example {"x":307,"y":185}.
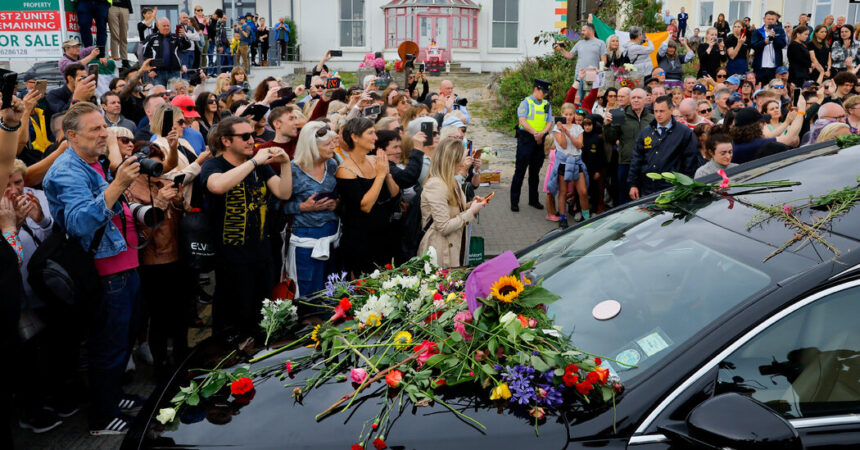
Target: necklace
{"x":357,"y":166}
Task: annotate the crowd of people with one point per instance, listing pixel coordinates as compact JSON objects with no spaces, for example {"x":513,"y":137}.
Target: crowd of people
{"x":757,"y":91}
{"x":148,"y":180}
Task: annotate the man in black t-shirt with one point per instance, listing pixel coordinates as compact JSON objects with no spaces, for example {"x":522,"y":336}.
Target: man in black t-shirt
{"x":237,"y":186}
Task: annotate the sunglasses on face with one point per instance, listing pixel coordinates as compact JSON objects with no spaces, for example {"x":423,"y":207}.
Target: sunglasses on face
{"x":125,"y":140}
{"x":242,"y":136}
{"x":211,"y":101}
{"x":709,"y":97}
{"x":181,"y":122}
{"x":319,"y":86}
{"x":198,"y":10}
{"x":779,"y":86}
{"x":661,"y":73}
{"x":705,"y":110}
{"x":722,"y":76}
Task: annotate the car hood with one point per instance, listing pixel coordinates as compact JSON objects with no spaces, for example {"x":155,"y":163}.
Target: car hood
{"x":273,"y":418}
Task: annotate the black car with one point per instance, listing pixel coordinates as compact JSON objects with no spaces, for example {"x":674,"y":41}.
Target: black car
{"x":730,"y":351}
{"x":44,"y":70}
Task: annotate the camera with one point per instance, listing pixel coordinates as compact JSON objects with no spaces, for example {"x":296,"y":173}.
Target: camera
{"x":146,"y":214}
{"x":460,"y":101}
{"x":194,"y":78}
{"x":148,"y":166}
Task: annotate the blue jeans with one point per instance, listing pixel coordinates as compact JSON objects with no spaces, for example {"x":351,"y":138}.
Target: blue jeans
{"x":87,"y":11}
{"x":311,"y":273}
{"x":187,"y":60}
{"x":623,"y":195}
{"x":163,"y":76}
{"x":211,"y":49}
{"x":113,"y":325}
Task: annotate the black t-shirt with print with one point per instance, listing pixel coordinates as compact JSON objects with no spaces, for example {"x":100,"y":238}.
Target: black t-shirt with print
{"x":238,"y":218}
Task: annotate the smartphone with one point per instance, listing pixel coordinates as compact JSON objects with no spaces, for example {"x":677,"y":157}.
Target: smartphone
{"x":93,"y":69}
{"x":178,"y":181}
{"x":487,"y":198}
{"x":477,"y":154}
{"x":178,"y":27}
{"x":326,"y":196}
{"x":42,"y":86}
{"x":332,"y":83}
{"x":308,"y":78}
{"x":795,"y":97}
{"x":743,"y":32}
{"x":167,"y":122}
{"x":421,"y":67}
{"x":8,"y":82}
{"x":469,"y":146}
{"x":560,"y":119}
{"x":371,"y":110}
{"x":427,"y":129}
{"x":334,"y":53}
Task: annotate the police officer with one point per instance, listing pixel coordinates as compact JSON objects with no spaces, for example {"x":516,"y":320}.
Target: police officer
{"x":666,"y":145}
{"x":535,"y":119}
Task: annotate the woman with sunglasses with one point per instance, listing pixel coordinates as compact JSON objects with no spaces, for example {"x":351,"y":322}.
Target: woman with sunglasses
{"x":402,"y":103}
{"x":180,"y":157}
{"x":606,"y":101}
{"x":799,"y":57}
{"x":773,"y":127}
{"x":369,"y":196}
{"x":779,"y":86}
{"x":316,"y":227}
{"x":207,"y":106}
{"x":738,"y":49}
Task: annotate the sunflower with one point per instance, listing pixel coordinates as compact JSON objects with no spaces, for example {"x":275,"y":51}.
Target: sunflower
{"x":315,"y":334}
{"x":507,"y":288}
{"x":402,"y":340}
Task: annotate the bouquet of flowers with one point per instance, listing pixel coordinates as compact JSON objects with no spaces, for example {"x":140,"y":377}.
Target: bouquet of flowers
{"x":409,"y":332}
{"x":624,"y":75}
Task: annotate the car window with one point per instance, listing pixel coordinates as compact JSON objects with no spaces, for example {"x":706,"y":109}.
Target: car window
{"x":805,"y":365}
{"x":670,"y":279}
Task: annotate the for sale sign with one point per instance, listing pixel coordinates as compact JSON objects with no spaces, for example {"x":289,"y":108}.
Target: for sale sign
{"x":30,"y":29}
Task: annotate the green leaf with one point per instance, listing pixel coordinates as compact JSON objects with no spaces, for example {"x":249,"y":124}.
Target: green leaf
{"x":434,"y":360}
{"x":534,"y":296}
{"x":607,"y":394}
{"x":185,"y":389}
{"x":177,"y":398}
{"x":539,"y":364}
{"x":559,"y":372}
{"x":528,"y":337}
{"x":683,"y":179}
{"x":456,"y":337}
{"x":488,"y":370}
{"x":212,"y":388}
{"x":493,"y":345}
{"x":654,"y":176}
{"x":476,"y":316}
{"x":193,"y":399}
{"x":668,"y":175}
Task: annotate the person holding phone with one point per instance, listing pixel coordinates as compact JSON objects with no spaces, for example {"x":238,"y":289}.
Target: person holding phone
{"x":445,"y":214}
{"x":712,"y":53}
{"x":167,"y":47}
{"x":737,"y":48}
{"x":767,"y":43}
{"x":180,"y":157}
{"x":316,"y":230}
{"x":799,"y":56}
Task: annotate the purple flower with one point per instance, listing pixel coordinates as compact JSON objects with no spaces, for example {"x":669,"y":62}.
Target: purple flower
{"x":519,"y":380}
{"x":335,"y":283}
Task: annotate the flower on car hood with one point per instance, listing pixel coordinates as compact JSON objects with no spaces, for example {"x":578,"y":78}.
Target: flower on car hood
{"x":166,"y":415}
{"x":241,"y":386}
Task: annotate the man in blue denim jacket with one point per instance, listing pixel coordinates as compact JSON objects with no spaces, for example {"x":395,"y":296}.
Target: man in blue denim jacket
{"x":82,"y":201}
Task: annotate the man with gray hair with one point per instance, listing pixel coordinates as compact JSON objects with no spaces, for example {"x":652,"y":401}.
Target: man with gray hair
{"x":88,"y":204}
{"x":639,"y":50}
{"x":720,"y":105}
{"x":635,"y":119}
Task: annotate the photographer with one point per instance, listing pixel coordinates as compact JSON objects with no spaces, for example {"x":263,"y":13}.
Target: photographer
{"x":712,"y":53}
{"x":638,"y":51}
{"x":86,"y":203}
{"x":236,"y":186}
{"x":166,"y":47}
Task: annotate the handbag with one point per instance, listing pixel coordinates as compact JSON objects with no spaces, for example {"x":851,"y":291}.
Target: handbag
{"x":195,"y":241}
{"x":60,"y":271}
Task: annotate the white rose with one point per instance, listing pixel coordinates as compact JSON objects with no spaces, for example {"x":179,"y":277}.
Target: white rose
{"x":166,"y":415}
{"x":508,"y":318}
{"x":375,"y":274}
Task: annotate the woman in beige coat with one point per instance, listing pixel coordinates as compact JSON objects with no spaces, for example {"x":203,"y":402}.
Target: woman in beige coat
{"x":443,"y":203}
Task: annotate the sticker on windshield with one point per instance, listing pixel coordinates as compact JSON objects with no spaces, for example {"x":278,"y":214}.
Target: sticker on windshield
{"x":629,"y":357}
{"x":652,"y":343}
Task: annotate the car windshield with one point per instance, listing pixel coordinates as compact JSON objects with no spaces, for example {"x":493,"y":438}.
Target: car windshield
{"x":670,"y":279}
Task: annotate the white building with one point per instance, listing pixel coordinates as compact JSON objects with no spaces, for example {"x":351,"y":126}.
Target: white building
{"x":703,"y":13}
{"x":484,"y":35}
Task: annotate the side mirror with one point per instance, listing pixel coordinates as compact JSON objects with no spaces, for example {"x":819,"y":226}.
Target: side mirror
{"x":734,"y":421}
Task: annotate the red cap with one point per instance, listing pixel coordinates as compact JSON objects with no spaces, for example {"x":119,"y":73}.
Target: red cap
{"x":186,"y":104}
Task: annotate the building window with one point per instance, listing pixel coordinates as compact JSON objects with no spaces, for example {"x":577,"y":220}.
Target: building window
{"x":738,"y":10}
{"x":706,"y":14}
{"x":352,"y":23}
{"x":505,"y":22}
{"x":823,"y":9}
{"x":853,"y":13}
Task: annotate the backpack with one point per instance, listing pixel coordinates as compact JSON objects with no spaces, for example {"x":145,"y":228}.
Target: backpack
{"x":62,"y":272}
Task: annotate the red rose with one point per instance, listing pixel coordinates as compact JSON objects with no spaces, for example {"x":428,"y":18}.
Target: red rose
{"x":433,"y":317}
{"x":426,"y":349}
{"x":358,"y":282}
{"x":602,"y":374}
{"x":440,"y":382}
{"x":571,"y":368}
{"x":388,"y":266}
{"x":241,"y":386}
{"x":344,"y":304}
{"x":584,"y":388}
{"x":597,"y":361}
{"x":356,"y":447}
{"x":379,"y":444}
{"x":569,"y":378}
{"x":592,"y":377}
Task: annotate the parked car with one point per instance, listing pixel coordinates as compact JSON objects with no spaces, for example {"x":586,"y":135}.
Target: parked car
{"x":43,"y":70}
{"x":728,"y":351}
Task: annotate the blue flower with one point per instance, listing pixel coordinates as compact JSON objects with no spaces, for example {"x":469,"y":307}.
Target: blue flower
{"x":337,"y":283}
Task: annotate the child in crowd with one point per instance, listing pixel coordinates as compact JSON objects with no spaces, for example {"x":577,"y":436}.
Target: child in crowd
{"x":594,"y":157}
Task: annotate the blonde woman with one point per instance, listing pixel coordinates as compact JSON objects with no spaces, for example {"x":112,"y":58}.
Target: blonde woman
{"x":445,"y":214}
{"x":222,"y":83}
{"x":833,"y":131}
{"x":316,"y":227}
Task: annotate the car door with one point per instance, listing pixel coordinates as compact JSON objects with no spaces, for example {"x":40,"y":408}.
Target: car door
{"x":803,"y":363}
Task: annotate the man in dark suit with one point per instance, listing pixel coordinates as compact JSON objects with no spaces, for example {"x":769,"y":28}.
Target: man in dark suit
{"x":768,"y":42}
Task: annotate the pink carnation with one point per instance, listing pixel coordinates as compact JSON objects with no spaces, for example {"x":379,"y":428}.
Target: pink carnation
{"x":460,"y":321}
{"x":357,"y":375}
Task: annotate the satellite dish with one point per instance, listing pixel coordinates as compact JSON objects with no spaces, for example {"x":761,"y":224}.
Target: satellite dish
{"x":408,"y":51}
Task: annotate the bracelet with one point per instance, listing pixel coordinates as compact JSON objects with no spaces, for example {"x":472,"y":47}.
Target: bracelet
{"x":253,"y":162}
{"x":802,"y":113}
{"x":5,"y":127}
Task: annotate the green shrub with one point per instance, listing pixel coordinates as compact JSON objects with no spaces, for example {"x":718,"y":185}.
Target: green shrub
{"x":517,"y":83}
{"x":292,"y":44}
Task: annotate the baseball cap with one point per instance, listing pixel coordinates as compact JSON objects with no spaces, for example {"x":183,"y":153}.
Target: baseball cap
{"x":781,"y":70}
{"x":453,"y":121}
{"x":747,"y":116}
{"x":701,"y":88}
{"x":809,"y":84}
{"x":756,"y":93}
{"x":733,"y":80}
{"x":186,"y":104}
{"x":734,"y":98}
{"x":71,"y":43}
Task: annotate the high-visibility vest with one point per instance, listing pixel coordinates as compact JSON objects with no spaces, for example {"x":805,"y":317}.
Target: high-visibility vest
{"x":41,"y":142}
{"x":536,"y":116}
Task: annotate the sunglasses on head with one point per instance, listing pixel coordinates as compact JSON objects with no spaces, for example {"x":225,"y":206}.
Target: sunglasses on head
{"x":323,"y":130}
{"x":242,"y":136}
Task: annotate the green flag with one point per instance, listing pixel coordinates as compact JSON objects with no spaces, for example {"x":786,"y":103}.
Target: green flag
{"x":603,"y":30}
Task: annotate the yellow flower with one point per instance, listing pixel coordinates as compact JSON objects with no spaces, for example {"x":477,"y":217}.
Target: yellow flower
{"x":451,"y":297}
{"x":402,"y":340}
{"x":507,"y":288}
{"x":373,"y":320}
{"x":500,"y":392}
{"x":315,"y":334}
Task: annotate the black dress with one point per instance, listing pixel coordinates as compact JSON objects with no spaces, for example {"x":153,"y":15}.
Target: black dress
{"x":369,"y":239}
{"x":710,"y":62}
{"x":722,"y":30}
{"x":822,"y":54}
{"x":799,"y":63}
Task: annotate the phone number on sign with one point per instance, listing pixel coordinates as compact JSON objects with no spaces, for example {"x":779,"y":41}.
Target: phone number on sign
{"x":13,"y":52}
